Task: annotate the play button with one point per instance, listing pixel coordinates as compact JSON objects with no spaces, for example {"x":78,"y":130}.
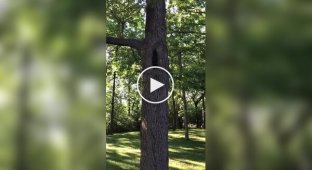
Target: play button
{"x":154,"y":85}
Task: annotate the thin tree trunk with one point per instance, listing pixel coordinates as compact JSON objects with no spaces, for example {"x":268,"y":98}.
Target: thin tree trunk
{"x":198,"y":113}
{"x":186,"y":129}
{"x":204,"y":112}
{"x":174,"y":112}
{"x":186,"y":133}
{"x":129,"y":99}
{"x":22,"y":130}
{"x":198,"y":116}
{"x":112,"y":128}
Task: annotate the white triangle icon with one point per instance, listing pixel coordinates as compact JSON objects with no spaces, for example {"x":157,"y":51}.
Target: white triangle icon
{"x":154,"y":85}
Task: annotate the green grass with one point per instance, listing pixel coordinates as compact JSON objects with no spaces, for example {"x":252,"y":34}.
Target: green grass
{"x":123,"y":151}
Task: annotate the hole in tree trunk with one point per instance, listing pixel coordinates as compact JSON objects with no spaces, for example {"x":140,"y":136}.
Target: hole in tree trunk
{"x":155,"y":58}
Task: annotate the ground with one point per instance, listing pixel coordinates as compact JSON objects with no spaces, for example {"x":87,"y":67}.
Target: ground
{"x":123,"y":151}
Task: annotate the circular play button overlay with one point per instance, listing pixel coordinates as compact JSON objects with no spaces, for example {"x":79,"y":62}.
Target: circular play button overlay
{"x":154,"y":84}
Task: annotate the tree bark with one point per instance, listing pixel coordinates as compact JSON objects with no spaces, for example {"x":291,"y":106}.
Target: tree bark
{"x":154,"y":126}
{"x":153,"y":51}
{"x":113,"y":106}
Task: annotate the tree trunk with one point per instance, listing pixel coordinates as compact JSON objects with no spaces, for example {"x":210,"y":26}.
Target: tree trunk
{"x":198,"y":116}
{"x":22,"y":130}
{"x":174,"y":127}
{"x":154,"y":125}
{"x":204,"y":112}
{"x":186,"y":132}
{"x":198,"y":113}
{"x":153,"y":51}
{"x":113,"y":106}
{"x":129,"y":99}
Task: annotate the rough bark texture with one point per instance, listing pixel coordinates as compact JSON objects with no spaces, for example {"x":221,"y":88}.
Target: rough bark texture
{"x":153,"y":51}
{"x":154,"y":126}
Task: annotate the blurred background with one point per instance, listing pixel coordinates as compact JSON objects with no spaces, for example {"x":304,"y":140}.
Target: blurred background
{"x":259,"y":84}
{"x":52,"y":84}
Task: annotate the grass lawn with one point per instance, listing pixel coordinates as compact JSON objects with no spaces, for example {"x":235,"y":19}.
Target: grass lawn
{"x":123,"y":151}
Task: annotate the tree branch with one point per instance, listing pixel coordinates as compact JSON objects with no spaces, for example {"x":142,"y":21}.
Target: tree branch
{"x":133,"y":43}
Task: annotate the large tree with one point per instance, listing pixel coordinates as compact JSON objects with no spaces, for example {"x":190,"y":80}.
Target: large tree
{"x":153,"y":52}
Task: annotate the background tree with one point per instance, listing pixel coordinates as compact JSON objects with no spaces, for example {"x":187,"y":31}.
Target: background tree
{"x":186,"y":50}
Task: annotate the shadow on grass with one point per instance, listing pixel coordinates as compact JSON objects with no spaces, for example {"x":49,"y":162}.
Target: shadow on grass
{"x":116,"y":161}
{"x":127,"y":139}
{"x":123,"y":150}
{"x":187,"y":149}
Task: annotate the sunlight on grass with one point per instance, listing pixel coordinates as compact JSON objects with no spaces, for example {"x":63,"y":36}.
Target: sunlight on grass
{"x":123,"y":151}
